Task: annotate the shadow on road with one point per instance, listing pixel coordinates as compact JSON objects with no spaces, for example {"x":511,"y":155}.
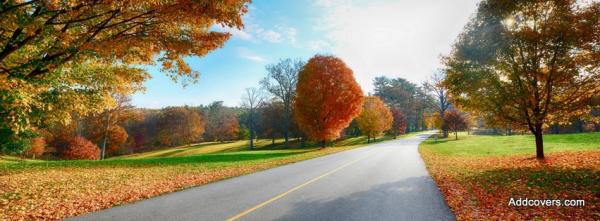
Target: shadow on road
{"x":415,"y":198}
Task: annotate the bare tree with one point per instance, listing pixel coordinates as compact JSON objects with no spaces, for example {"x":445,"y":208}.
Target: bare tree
{"x":281,"y":82}
{"x":435,"y":85}
{"x":253,"y":99}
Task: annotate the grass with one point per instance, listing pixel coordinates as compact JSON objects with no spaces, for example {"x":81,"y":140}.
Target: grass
{"x":479,"y":174}
{"x":51,"y":190}
{"x":487,"y":145}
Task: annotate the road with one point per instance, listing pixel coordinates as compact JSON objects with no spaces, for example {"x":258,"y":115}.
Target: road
{"x":383,"y":181}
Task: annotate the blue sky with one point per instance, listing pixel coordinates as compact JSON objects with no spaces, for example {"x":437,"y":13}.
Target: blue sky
{"x":395,"y":38}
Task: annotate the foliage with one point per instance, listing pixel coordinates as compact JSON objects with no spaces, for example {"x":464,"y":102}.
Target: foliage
{"x":222,"y":123}
{"x":375,"y":117}
{"x":455,"y":121}
{"x":281,"y":82}
{"x":479,"y":174}
{"x":411,"y":99}
{"x":36,"y":147}
{"x":531,"y":63}
{"x":180,"y":125}
{"x":271,"y":117}
{"x":399,"y":122}
{"x":80,"y":148}
{"x":63,"y":57}
{"x":9,"y":143}
{"x":58,"y":189}
{"x":328,"y":98}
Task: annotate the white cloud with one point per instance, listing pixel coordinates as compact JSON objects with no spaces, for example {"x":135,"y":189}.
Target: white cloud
{"x":319,"y":46}
{"x":250,"y":55}
{"x":393,"y":38}
{"x":237,"y":33}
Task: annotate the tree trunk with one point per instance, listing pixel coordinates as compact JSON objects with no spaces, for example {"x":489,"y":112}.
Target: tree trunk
{"x":368,"y":139}
{"x":103,"y":153}
{"x":323,"y":144}
{"x":539,"y":143}
{"x":302,"y":142}
{"x":456,"y":135}
{"x":272,"y":140}
{"x":251,"y":138}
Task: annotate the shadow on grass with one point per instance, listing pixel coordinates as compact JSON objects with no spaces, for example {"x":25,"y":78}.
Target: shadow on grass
{"x":155,"y":161}
{"x":549,"y":179}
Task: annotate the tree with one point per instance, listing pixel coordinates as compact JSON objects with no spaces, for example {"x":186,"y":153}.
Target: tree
{"x":435,"y":85}
{"x":179,"y":126}
{"x":104,"y":127}
{"x":79,"y":148}
{"x":222,"y":123}
{"x":328,"y":98}
{"x":281,"y":81}
{"x":36,"y":147}
{"x":533,"y":63}
{"x":375,"y":118}
{"x":456,"y":122}
{"x":63,"y":57}
{"x":406,"y":96}
{"x":399,"y":124}
{"x":251,"y":101}
{"x":271,"y":118}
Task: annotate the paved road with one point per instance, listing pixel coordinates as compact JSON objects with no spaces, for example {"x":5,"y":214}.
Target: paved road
{"x":384,"y":181}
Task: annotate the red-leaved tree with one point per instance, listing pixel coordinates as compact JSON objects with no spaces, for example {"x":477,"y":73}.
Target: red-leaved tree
{"x":80,"y":148}
{"x":456,"y":121}
{"x":399,"y":124}
{"x":327,"y":98}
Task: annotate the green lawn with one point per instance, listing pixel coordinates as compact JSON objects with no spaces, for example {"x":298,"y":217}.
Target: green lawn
{"x":486,"y":145}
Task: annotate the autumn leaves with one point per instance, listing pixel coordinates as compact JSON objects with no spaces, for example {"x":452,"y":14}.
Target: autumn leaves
{"x":328,"y":99}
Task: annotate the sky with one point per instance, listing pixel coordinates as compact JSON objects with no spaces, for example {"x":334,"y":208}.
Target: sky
{"x":394,"y":38}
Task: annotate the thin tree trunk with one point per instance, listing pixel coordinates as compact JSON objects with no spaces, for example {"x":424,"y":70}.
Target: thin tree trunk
{"x":456,"y":135}
{"x":106,"y":127}
{"x":539,"y":142}
{"x":251,"y":137}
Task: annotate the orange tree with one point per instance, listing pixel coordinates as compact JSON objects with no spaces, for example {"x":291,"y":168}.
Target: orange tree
{"x":180,"y":125}
{"x":63,"y":57}
{"x":327,"y":98}
{"x":375,"y":118}
{"x":531,"y":63}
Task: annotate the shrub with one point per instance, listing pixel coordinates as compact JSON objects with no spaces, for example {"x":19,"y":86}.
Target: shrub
{"x":79,"y":148}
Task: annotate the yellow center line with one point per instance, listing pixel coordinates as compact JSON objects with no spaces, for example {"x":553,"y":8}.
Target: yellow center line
{"x":240,"y":215}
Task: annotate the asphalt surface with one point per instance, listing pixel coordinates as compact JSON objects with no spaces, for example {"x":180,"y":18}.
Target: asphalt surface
{"x":384,"y":181}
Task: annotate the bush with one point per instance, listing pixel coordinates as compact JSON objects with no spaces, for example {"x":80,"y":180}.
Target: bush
{"x":36,"y":147}
{"x":80,"y":148}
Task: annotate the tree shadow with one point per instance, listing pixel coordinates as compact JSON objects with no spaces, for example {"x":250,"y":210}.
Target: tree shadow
{"x":415,"y":198}
{"x":549,"y":179}
{"x":156,"y":161}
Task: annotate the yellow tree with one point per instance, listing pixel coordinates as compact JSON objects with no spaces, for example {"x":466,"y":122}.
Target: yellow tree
{"x":375,"y":118}
{"x":531,"y":63}
{"x":62,"y":57}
